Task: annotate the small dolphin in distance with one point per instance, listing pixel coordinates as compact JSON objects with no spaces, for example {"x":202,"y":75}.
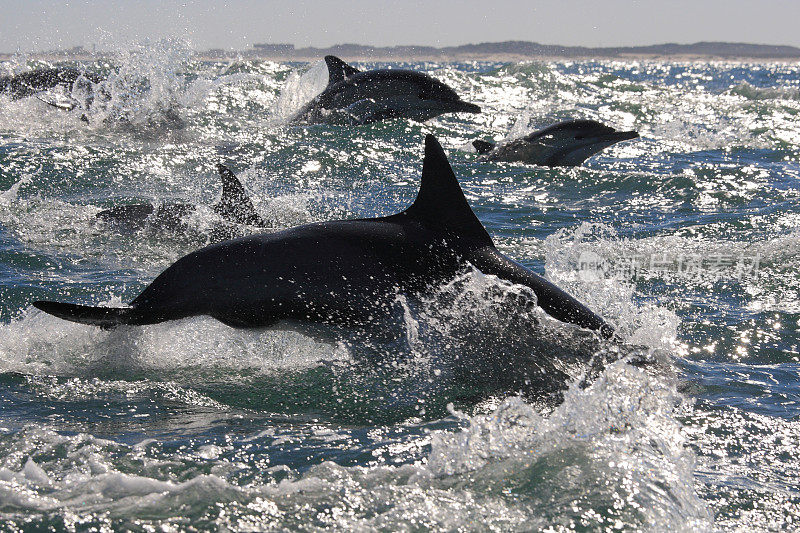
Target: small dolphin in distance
{"x":364,"y":97}
{"x":234,"y":206}
{"x":566,"y":144}
{"x":347,"y":272}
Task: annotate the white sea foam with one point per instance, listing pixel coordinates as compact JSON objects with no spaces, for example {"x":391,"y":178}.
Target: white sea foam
{"x":612,"y":455}
{"x":40,"y":344}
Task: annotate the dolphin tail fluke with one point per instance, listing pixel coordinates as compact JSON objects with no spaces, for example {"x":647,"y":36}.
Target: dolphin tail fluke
{"x":338,"y":70}
{"x":235,"y":205}
{"x":482,"y":147}
{"x":104,"y":317}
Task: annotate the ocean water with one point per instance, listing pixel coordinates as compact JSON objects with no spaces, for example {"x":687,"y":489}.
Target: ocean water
{"x":480,"y":414}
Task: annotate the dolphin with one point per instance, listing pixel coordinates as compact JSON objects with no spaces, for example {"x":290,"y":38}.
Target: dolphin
{"x":41,"y":82}
{"x":566,"y":144}
{"x":233,"y":205}
{"x":364,"y":97}
{"x":346,"y":272}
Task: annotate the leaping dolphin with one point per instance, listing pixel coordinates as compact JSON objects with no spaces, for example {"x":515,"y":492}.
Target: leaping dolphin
{"x":363,"y":97}
{"x":40,"y":83}
{"x":566,"y":144}
{"x":234,"y":206}
{"x":345,"y":272}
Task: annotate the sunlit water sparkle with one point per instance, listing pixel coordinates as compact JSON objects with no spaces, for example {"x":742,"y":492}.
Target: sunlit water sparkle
{"x":477,"y":415}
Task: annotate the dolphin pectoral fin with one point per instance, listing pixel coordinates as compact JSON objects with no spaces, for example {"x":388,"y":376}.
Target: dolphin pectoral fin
{"x":104,"y":317}
{"x":234,"y":204}
{"x":338,"y":70}
{"x":482,"y":147}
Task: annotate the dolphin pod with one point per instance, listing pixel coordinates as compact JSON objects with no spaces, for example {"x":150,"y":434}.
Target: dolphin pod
{"x":344,"y":272}
{"x":234,"y":206}
{"x":364,"y":97}
{"x":566,"y":144}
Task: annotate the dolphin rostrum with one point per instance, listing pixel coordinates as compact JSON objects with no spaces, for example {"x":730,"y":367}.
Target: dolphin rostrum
{"x":234,"y":206}
{"x":566,"y":144}
{"x":347,"y":272}
{"x":363,"y":97}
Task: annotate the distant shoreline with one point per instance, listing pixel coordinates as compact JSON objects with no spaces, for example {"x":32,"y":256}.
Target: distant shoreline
{"x":509,"y":51}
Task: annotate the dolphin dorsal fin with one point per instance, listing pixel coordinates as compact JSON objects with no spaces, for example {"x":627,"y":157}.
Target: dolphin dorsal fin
{"x":234,"y":204}
{"x":441,"y":201}
{"x":338,"y":70}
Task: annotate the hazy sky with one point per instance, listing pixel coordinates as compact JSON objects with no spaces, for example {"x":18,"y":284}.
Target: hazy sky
{"x":29,"y":25}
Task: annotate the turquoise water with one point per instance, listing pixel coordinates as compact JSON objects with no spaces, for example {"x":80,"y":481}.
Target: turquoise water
{"x":481,"y":414}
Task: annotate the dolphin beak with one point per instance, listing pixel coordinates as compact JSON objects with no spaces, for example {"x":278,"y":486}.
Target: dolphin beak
{"x":607,"y":139}
{"x":466,"y":107}
{"x":619,"y":136}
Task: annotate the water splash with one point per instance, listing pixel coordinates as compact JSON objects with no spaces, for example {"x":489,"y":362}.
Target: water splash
{"x":147,"y":88}
{"x":280,"y":430}
{"x":298,"y":90}
{"x":612,"y":455}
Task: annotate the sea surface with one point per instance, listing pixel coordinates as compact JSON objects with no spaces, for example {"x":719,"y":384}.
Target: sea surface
{"x":480,"y":414}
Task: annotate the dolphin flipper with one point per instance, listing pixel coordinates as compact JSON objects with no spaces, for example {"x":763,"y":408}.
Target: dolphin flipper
{"x":105,"y":317}
{"x":338,"y":70}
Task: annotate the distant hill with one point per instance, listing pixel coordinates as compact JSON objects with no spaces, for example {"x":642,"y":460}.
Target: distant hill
{"x":503,"y":51}
{"x":527,"y":49}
